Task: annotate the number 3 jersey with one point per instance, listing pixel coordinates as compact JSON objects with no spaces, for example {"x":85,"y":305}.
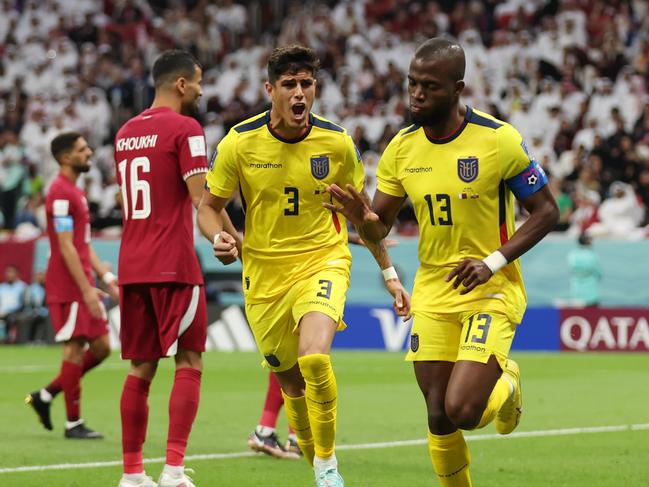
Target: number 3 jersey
{"x":462,"y":188}
{"x":289,"y":235}
{"x":155,"y":153}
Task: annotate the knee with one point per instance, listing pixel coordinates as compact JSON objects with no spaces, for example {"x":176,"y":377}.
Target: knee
{"x":144,"y":369}
{"x":189,"y":359}
{"x":73,"y":351}
{"x":293,"y":389}
{"x":438,"y":422}
{"x":291,"y":381}
{"x":464,"y":414}
{"x":102,"y":353}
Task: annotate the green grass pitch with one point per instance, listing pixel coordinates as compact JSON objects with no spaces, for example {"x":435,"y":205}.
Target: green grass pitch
{"x":379,"y":404}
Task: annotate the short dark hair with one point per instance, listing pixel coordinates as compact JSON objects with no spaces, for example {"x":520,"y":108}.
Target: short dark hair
{"x":442,"y":48}
{"x":291,"y":59}
{"x":173,"y":64}
{"x":63,"y":143}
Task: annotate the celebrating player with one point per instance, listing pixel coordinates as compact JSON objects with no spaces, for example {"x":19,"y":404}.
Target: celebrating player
{"x":296,"y":260}
{"x":462,"y":169}
{"x":161,"y":164}
{"x":76,"y":310}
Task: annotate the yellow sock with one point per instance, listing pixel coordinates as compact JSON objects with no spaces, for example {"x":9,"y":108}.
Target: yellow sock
{"x":298,"y":419}
{"x":451,"y":459}
{"x":498,"y":397}
{"x":321,"y":400}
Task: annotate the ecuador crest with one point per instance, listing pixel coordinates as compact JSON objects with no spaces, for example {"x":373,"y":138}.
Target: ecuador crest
{"x":320,"y":167}
{"x":467,"y":169}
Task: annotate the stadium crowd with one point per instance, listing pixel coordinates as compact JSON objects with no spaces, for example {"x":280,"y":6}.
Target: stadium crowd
{"x":570,"y":75}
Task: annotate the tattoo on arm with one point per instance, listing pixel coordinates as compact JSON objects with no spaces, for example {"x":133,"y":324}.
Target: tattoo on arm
{"x":380,"y":253}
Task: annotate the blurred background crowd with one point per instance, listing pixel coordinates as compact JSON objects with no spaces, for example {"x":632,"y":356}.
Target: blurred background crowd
{"x":570,"y":75}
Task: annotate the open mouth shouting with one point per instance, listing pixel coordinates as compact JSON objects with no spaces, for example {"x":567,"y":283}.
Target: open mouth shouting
{"x":299,"y":111}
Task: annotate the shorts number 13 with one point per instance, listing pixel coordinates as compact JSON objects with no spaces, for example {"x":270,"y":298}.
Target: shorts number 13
{"x":482,"y":321}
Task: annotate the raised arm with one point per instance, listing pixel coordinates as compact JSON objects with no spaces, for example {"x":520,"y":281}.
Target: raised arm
{"x":373,"y":223}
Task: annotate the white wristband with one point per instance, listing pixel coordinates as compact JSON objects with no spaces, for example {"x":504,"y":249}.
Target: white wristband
{"x":108,"y":278}
{"x":390,"y":273}
{"x":217,"y":237}
{"x":495,"y":261}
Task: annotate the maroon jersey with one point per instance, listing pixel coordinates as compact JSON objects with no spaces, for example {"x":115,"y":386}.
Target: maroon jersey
{"x":155,"y":152}
{"x":67,"y":211}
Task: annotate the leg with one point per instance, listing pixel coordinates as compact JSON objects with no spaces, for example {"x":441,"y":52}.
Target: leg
{"x":183,"y":404}
{"x":264,"y":439}
{"x":446,"y":445}
{"x":97,"y":352}
{"x":69,"y":378}
{"x":469,"y":389}
{"x":316,"y":334}
{"x":71,"y":368}
{"x":293,"y":386}
{"x":272,"y":404}
{"x":134,"y":409}
{"x":479,"y":391}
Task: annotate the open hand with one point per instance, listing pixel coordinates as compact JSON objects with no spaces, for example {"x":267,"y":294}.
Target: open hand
{"x":401,"y":297}
{"x":353,"y":206}
{"x":92,"y":299}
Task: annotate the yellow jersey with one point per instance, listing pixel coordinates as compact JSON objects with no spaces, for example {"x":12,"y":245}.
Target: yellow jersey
{"x":462,"y":188}
{"x":288,"y":234}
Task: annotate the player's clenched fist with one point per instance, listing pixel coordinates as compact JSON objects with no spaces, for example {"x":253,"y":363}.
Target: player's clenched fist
{"x":225,"y":248}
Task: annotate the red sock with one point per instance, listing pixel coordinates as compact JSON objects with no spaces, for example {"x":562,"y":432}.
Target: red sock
{"x":134,"y":408}
{"x":274,"y":402}
{"x":89,"y":362}
{"x":71,"y":383}
{"x":183,"y":405}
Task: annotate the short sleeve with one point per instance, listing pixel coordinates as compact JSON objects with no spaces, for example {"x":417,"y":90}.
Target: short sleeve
{"x":223,"y":176}
{"x":354,"y":165}
{"x":192,"y":152}
{"x":386,"y":173}
{"x":62,"y":211}
{"x":521,"y":172}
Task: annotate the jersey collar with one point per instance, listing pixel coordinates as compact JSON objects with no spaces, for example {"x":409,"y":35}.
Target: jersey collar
{"x":289,"y":141}
{"x":456,"y":134}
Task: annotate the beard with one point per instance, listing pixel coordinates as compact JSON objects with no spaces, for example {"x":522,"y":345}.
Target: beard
{"x":191,"y":109}
{"x":434,"y":115}
{"x":81,"y":168}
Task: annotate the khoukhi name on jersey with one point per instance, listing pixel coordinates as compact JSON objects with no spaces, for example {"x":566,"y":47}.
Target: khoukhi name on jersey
{"x":136,"y":143}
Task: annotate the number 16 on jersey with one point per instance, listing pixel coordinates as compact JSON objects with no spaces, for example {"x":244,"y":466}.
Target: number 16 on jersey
{"x":137,"y":190}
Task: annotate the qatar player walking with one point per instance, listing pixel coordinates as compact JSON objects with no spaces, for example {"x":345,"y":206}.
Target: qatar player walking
{"x":78,"y":316}
{"x":161,"y":164}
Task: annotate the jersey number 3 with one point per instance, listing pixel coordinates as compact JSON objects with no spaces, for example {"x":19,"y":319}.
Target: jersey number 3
{"x":136,"y":195}
{"x":293,"y":201}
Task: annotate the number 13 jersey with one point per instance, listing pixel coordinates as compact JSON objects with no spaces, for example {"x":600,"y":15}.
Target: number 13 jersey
{"x":155,"y":153}
{"x":289,"y":235}
{"x":462,"y":188}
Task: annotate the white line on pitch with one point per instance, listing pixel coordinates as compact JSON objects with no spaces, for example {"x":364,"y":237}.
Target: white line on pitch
{"x":54,"y":367}
{"x":363,"y":446}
